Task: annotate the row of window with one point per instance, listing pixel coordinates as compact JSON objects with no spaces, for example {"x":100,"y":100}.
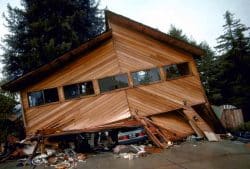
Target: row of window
{"x":107,"y":84}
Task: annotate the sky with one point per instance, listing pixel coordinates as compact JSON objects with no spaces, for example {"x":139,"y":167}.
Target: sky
{"x":200,"y":20}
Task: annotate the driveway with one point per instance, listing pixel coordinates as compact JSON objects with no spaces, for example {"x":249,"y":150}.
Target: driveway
{"x":188,"y":155}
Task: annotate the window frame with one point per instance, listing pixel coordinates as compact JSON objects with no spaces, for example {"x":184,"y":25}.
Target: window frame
{"x":43,"y":97}
{"x":96,"y":83}
{"x":181,"y":76}
{"x":78,"y":89}
{"x":151,"y":82}
{"x":114,"y":90}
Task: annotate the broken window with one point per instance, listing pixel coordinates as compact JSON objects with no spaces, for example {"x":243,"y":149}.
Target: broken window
{"x":77,"y":90}
{"x":146,"y":76}
{"x":113,"y":82}
{"x":176,"y":70}
{"x":42,"y":97}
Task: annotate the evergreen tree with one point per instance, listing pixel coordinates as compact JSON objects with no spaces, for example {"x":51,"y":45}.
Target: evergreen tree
{"x":44,"y":30}
{"x":7,"y":105}
{"x":234,"y":63}
{"x":207,"y":64}
{"x":208,"y":68}
{"x":178,"y":33}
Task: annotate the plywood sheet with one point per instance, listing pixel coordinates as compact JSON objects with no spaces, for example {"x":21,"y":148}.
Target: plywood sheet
{"x":174,"y":123}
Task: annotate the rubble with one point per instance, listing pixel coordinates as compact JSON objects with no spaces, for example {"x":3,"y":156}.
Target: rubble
{"x":130,"y":151}
{"x":67,"y":151}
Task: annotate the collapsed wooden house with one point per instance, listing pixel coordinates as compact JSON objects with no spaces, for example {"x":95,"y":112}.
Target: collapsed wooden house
{"x":129,"y":75}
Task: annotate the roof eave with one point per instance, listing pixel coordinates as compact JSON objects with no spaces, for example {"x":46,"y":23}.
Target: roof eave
{"x":154,"y":33}
{"x":42,"y":71}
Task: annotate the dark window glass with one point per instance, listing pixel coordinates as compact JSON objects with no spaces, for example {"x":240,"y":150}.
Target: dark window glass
{"x":114,"y":82}
{"x":146,"y":76}
{"x":173,"y":71}
{"x":51,"y":95}
{"x":43,"y":97}
{"x":71,"y":91}
{"x":36,"y":98}
{"x":86,"y":88}
{"x":75,"y":90}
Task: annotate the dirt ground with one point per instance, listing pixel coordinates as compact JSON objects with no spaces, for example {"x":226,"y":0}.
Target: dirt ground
{"x":188,"y":155}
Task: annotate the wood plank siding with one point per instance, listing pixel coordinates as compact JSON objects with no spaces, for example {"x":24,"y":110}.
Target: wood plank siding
{"x":126,"y":51}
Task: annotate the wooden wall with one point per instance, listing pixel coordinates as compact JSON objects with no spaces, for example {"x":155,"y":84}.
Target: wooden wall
{"x":126,"y":52}
{"x":136,"y":51}
{"x":232,"y":118}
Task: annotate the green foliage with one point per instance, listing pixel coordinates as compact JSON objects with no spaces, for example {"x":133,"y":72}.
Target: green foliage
{"x":225,"y":75}
{"x":234,"y":64}
{"x":207,"y":65}
{"x":44,"y":30}
{"x":243,"y":127}
{"x":7,"y":105}
{"x":178,"y":33}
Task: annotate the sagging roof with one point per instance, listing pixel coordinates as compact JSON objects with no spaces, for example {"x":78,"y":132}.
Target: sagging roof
{"x":44,"y":70}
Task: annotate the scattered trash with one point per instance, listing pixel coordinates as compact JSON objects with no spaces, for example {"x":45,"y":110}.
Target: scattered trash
{"x":60,"y":160}
{"x":130,"y":151}
{"x":193,"y":138}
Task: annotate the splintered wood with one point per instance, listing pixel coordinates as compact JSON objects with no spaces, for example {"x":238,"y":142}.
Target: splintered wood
{"x":153,"y":132}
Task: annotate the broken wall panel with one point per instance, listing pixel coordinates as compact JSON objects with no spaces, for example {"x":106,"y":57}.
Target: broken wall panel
{"x":79,"y":113}
{"x":174,"y":124}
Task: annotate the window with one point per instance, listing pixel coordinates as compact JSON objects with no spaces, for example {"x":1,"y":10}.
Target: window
{"x":42,"y":97}
{"x":71,"y":91}
{"x":77,"y":90}
{"x":113,"y":82}
{"x":50,"y":95}
{"x":86,"y":88}
{"x":177,"y":70}
{"x":146,"y":76}
{"x":36,"y":98}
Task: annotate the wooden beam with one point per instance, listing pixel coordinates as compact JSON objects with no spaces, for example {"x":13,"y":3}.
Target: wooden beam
{"x":96,"y":86}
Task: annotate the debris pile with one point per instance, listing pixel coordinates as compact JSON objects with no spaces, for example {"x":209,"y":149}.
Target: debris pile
{"x":68,"y":158}
{"x":129,"y":151}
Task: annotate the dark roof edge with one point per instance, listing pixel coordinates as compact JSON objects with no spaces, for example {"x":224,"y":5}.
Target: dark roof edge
{"x":19,"y":83}
{"x":154,"y":33}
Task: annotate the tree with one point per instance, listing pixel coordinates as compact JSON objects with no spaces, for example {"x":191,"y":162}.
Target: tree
{"x":234,"y":64}
{"x":208,"y":68}
{"x":178,"y":33}
{"x":7,"y":104}
{"x":206,"y":64}
{"x":44,"y":30}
